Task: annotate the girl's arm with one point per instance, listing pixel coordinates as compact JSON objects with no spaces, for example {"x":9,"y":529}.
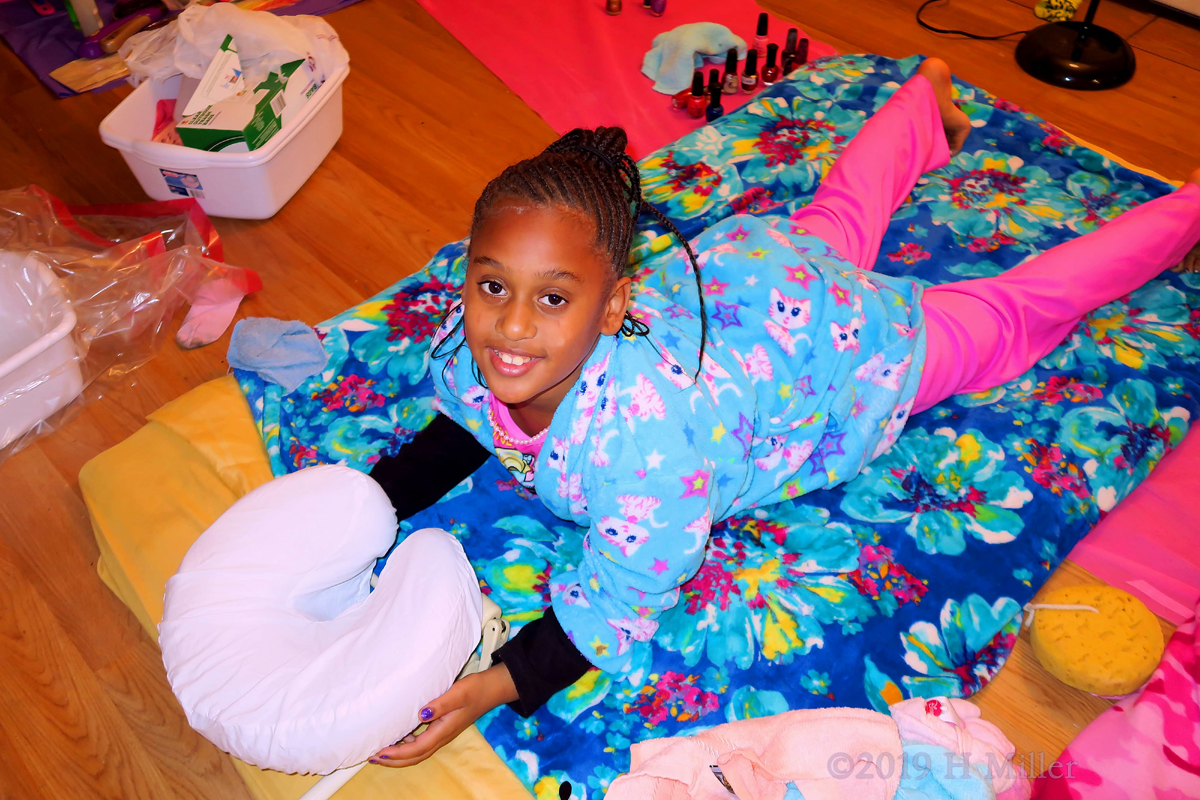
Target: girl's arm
{"x":436,"y":460}
{"x":534,"y":665}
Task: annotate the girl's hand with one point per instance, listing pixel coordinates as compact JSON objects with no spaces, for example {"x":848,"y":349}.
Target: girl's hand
{"x":451,"y":714}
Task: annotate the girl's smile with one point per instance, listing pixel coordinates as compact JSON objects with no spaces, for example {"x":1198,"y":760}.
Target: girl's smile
{"x":538,"y":296}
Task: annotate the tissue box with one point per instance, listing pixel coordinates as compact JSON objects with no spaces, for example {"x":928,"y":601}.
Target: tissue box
{"x":247,"y":121}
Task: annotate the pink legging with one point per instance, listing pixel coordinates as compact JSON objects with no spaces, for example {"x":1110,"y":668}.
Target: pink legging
{"x":984,"y":332}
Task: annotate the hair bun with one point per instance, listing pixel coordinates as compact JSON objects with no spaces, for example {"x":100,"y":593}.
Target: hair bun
{"x":608,"y":142}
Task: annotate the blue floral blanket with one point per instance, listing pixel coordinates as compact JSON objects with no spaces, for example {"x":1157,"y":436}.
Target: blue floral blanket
{"x":954,"y":529}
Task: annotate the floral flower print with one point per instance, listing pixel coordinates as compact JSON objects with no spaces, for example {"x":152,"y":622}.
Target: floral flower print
{"x":946,"y":486}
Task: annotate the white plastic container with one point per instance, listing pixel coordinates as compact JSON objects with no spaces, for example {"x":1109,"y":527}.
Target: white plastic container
{"x":251,"y":185}
{"x":39,"y":365}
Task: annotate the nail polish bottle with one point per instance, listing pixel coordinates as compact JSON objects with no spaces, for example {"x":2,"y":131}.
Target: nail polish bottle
{"x":714,"y":109}
{"x":760,"y":38}
{"x":698,"y":100}
{"x":646,"y":4}
{"x":714,"y":79}
{"x":750,"y":73}
{"x":730,"y":84}
{"x":613,"y":7}
{"x":802,"y":53}
{"x":657,"y":7}
{"x":770,"y":73}
{"x":681,"y":99}
{"x":789,"y":52}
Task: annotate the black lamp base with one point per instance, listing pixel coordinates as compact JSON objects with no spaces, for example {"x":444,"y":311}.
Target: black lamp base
{"x":1076,"y":55}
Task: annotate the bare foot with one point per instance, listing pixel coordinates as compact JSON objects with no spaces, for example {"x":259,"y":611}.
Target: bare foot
{"x":954,"y":120}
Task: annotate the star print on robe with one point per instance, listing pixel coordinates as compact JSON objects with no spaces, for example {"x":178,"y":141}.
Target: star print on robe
{"x":726,"y":314}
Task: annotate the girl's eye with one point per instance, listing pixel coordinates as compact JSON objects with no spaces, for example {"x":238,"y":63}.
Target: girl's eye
{"x":554,"y":300}
{"x":492,"y":287}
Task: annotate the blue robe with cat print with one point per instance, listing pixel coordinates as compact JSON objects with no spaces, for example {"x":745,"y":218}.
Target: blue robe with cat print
{"x":810,"y":369}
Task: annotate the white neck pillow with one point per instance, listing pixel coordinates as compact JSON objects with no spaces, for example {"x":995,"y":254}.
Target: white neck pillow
{"x":277,"y":648}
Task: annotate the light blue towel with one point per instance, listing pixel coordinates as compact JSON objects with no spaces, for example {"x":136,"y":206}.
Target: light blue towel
{"x":677,"y":53}
{"x":279,"y":351}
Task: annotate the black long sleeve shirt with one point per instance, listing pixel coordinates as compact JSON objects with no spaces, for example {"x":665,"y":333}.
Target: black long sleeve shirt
{"x":540,"y":658}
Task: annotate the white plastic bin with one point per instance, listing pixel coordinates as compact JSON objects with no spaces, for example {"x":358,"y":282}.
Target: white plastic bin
{"x":39,"y":365}
{"x":251,"y":185}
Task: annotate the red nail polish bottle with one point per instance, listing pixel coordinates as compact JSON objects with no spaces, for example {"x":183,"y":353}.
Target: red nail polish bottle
{"x":698,"y":101}
{"x":788,"y":56}
{"x":750,"y":72}
{"x":613,"y":7}
{"x":770,"y":73}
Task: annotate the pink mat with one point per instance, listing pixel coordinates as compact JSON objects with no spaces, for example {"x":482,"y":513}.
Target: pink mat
{"x":1149,"y":545}
{"x":593,"y":75}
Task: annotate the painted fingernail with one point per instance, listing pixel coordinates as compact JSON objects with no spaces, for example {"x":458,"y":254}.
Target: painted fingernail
{"x":426,"y":714}
{"x":385,"y":758}
{"x":373,"y":761}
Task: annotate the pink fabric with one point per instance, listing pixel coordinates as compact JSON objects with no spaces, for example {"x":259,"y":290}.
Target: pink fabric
{"x":758,"y":757}
{"x":957,"y":725}
{"x":985,"y":332}
{"x":1149,"y":545}
{"x":1146,"y":746}
{"x":852,"y":207}
{"x":519,"y":440}
{"x":576,"y":66}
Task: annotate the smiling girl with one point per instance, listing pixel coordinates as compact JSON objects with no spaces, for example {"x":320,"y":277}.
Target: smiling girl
{"x":636,"y":419}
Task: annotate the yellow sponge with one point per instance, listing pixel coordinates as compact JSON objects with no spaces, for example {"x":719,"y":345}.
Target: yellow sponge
{"x":1109,"y":653}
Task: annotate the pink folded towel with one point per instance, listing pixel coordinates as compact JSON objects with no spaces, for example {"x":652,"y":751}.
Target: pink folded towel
{"x":759,"y":757}
{"x":957,"y":726}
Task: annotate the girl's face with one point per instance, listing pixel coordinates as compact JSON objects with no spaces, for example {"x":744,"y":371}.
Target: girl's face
{"x":537,"y":297}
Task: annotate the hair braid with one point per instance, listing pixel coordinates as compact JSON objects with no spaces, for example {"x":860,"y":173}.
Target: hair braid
{"x":589,"y":172}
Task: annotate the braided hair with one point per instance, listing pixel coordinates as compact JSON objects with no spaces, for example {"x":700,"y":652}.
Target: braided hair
{"x":589,"y":172}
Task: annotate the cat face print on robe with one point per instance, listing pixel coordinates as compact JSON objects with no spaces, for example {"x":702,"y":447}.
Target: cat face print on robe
{"x":883,"y":374}
{"x":626,"y":534}
{"x":756,"y":364}
{"x":845,"y":337}
{"x":672,"y":371}
{"x":895,"y":425}
{"x":792,"y":456}
{"x":632,"y":630}
{"x":572,"y":593}
{"x":786,"y":314}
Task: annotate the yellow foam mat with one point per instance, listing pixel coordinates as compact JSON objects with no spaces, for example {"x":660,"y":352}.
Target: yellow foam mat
{"x":153,"y":494}
{"x":1110,"y":651}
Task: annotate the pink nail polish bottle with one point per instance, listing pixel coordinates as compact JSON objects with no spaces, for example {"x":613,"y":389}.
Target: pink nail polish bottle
{"x":657,"y":7}
{"x":760,"y":38}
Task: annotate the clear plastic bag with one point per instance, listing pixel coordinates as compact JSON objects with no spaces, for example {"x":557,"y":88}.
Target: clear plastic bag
{"x":264,"y":43}
{"x":86,"y":294}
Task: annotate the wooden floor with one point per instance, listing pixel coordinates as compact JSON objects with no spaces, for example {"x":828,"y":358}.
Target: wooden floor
{"x":85,"y":710}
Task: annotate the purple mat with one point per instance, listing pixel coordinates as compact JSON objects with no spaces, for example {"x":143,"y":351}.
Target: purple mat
{"x":46,"y":43}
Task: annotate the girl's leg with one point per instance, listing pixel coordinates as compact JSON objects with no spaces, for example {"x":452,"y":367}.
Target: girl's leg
{"x":982,"y":333}
{"x":875,"y":173}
